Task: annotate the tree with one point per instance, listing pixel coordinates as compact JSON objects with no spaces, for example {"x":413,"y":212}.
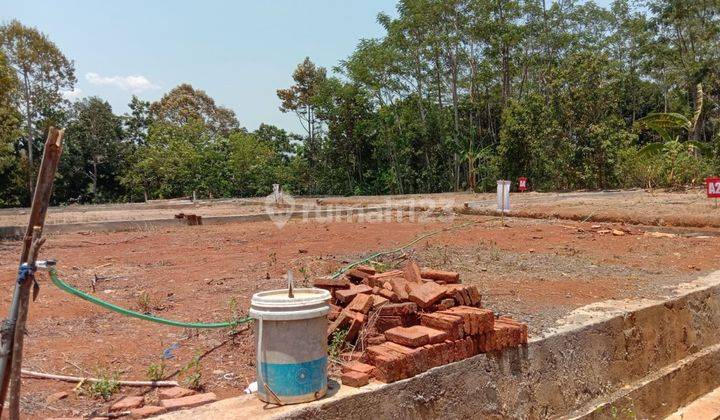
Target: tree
{"x":137,"y":122}
{"x":298,"y":97}
{"x":9,"y":133}
{"x":185,"y":105}
{"x":98,"y":153}
{"x":43,"y":71}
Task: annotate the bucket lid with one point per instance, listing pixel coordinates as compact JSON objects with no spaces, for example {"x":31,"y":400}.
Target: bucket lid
{"x":275,"y":304}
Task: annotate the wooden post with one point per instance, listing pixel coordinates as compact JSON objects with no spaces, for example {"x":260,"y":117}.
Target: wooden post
{"x":14,"y":326}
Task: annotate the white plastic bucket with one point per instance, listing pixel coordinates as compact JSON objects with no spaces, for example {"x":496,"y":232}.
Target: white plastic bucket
{"x":291,"y":344}
{"x":503,"y":196}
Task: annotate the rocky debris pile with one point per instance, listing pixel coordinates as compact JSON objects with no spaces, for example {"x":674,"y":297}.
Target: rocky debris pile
{"x":404,"y":322}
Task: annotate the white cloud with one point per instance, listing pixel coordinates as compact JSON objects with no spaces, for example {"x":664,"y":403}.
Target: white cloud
{"x":71,"y":94}
{"x":132,"y":83}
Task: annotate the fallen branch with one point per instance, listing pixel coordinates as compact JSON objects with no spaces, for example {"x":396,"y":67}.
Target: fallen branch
{"x":41,"y":375}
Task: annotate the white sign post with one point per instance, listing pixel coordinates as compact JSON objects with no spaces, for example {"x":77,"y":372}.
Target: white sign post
{"x":503,"y":196}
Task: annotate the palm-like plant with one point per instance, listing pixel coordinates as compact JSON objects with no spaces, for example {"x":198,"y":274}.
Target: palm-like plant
{"x":669,"y":126}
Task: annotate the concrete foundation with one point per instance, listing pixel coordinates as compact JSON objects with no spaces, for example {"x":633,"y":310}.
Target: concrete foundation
{"x":611,"y":359}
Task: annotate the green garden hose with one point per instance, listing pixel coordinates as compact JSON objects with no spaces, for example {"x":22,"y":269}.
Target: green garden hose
{"x":107,"y":305}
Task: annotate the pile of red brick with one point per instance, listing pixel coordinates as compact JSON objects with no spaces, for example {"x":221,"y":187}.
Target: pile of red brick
{"x":404,"y":322}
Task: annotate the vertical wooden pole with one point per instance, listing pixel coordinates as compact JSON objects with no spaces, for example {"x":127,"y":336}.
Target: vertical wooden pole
{"x":21,"y":295}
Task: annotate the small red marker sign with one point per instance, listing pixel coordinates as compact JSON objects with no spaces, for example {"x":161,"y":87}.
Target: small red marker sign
{"x":522,"y":183}
{"x":713,"y":187}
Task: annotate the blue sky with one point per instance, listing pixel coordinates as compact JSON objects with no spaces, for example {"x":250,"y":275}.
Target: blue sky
{"x":239,"y":52}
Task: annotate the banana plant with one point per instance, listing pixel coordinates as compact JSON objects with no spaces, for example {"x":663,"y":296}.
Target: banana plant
{"x":667,"y":124}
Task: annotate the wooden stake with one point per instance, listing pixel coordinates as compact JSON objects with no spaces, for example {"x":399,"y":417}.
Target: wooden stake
{"x":31,"y":245}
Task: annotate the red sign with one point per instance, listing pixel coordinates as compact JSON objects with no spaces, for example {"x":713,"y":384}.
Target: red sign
{"x":713,"y":187}
{"x":522,"y":183}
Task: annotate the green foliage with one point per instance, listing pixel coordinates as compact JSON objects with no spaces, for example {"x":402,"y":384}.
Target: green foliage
{"x":455,"y":95}
{"x":337,"y":343}
{"x":191,"y":374}
{"x":156,"y":371}
{"x":105,"y":387}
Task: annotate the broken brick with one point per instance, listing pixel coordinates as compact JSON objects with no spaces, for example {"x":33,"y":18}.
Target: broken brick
{"x":378,"y":279}
{"x":189,"y":402}
{"x":344,"y":296}
{"x":427,"y":294}
{"x":411,"y":272}
{"x":407,"y":336}
{"x":438,"y":275}
{"x":361,"y":303}
{"x":398,"y":286}
{"x":355,"y":379}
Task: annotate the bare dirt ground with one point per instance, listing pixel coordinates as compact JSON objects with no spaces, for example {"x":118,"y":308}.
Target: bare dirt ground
{"x":535,"y":270}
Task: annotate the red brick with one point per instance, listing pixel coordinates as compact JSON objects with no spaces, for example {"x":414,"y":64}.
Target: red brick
{"x":475,"y":296}
{"x":334,"y":312}
{"x":411,"y":272}
{"x":358,"y":367}
{"x":427,"y":294}
{"x":446,"y":276}
{"x":434,"y":336}
{"x":378,"y":279}
{"x":343,"y":320}
{"x":332,"y":284}
{"x":407,"y":336}
{"x":466,"y":296}
{"x":356,"y":324}
{"x":389,"y":295}
{"x":127,"y":403}
{"x":189,"y":402}
{"x":399,"y":287}
{"x":523,"y":328}
{"x":366,"y":268}
{"x":175,"y":392}
{"x":379,"y":301}
{"x":451,"y":324}
{"x":147,"y":411}
{"x":346,"y":295}
{"x":384,"y":323}
{"x":361,"y":303}
{"x":389,"y":364}
{"x":355,"y":379}
{"x":393,"y":309}
{"x":376,"y":339}
{"x":357,"y":276}
{"x":481,"y":320}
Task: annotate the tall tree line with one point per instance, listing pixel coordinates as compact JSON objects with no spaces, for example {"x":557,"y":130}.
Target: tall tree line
{"x":455,"y":95}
